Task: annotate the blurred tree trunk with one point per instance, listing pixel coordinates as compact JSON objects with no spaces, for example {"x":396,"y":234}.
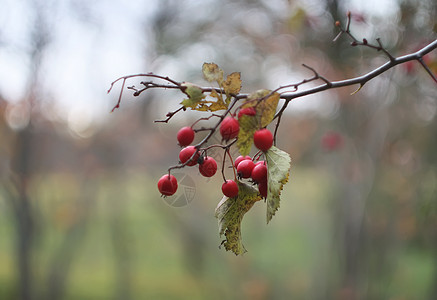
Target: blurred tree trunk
{"x":120,"y":239}
{"x":24,"y":214}
{"x":63,"y":258}
{"x":22,"y":164}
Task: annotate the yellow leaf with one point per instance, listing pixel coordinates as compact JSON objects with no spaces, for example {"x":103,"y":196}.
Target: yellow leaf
{"x":232,"y":85}
{"x":212,"y":72}
{"x":217,"y":106}
{"x":265,"y":103}
{"x":202,"y":107}
{"x":219,"y":97}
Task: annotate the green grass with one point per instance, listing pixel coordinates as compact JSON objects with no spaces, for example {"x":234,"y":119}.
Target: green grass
{"x":293,"y":256}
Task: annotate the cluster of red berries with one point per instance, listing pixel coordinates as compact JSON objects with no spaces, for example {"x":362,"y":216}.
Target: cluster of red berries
{"x":246,"y":168}
{"x":190,"y":156}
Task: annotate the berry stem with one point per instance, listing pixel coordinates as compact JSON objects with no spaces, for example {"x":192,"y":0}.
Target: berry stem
{"x":227,"y":147}
{"x":232,"y":163}
{"x":259,"y":153}
{"x":205,"y":119}
{"x":223,"y":164}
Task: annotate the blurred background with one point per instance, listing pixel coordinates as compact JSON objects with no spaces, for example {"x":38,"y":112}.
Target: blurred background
{"x":80,"y":214}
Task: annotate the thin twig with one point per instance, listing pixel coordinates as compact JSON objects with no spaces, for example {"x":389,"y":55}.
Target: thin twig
{"x":204,"y":119}
{"x":427,"y":69}
{"x":119,"y":97}
{"x":223,"y":164}
{"x":209,"y":135}
{"x":170,"y":115}
{"x":356,"y":42}
{"x":137,"y":92}
{"x":361,"y":80}
{"x":232,"y":164}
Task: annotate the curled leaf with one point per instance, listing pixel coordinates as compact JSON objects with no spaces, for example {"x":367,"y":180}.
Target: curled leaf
{"x":212,"y":72}
{"x":230,"y":212}
{"x":278,"y":168}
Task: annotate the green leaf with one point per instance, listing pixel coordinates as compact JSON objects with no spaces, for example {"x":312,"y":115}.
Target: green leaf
{"x":194,"y":93}
{"x":278,"y":169}
{"x":230,"y":212}
{"x":232,"y":85}
{"x":212,"y":72}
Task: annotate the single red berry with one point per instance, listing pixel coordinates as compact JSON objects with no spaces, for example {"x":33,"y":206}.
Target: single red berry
{"x":259,"y":173}
{"x":332,"y":141}
{"x":245,"y":168}
{"x":185,"y":136}
{"x":229,"y":128}
{"x":230,"y":188}
{"x":208,"y":167}
{"x":409,"y":67}
{"x":262,"y":188}
{"x":260,"y":162}
{"x":427,"y":59}
{"x":240,"y":159}
{"x":167,"y":185}
{"x":186,"y":153}
{"x":359,"y":18}
{"x":174,"y":182}
{"x":263,"y":139}
{"x":248,"y":111}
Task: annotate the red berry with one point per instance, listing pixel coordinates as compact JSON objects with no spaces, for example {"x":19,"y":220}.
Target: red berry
{"x":245,"y":168}
{"x":230,"y":188}
{"x":240,"y":159}
{"x":259,"y":173}
{"x":248,"y":111}
{"x":409,"y":67}
{"x":229,"y":128}
{"x":208,"y":167}
{"x":332,"y":141}
{"x":174,"y":182}
{"x":185,"y":136}
{"x":263,"y":139}
{"x":260,"y":162}
{"x":186,"y":154}
{"x":167,"y":185}
{"x":262,"y":188}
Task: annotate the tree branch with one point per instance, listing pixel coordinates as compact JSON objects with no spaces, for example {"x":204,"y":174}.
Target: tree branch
{"x":363,"y":79}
